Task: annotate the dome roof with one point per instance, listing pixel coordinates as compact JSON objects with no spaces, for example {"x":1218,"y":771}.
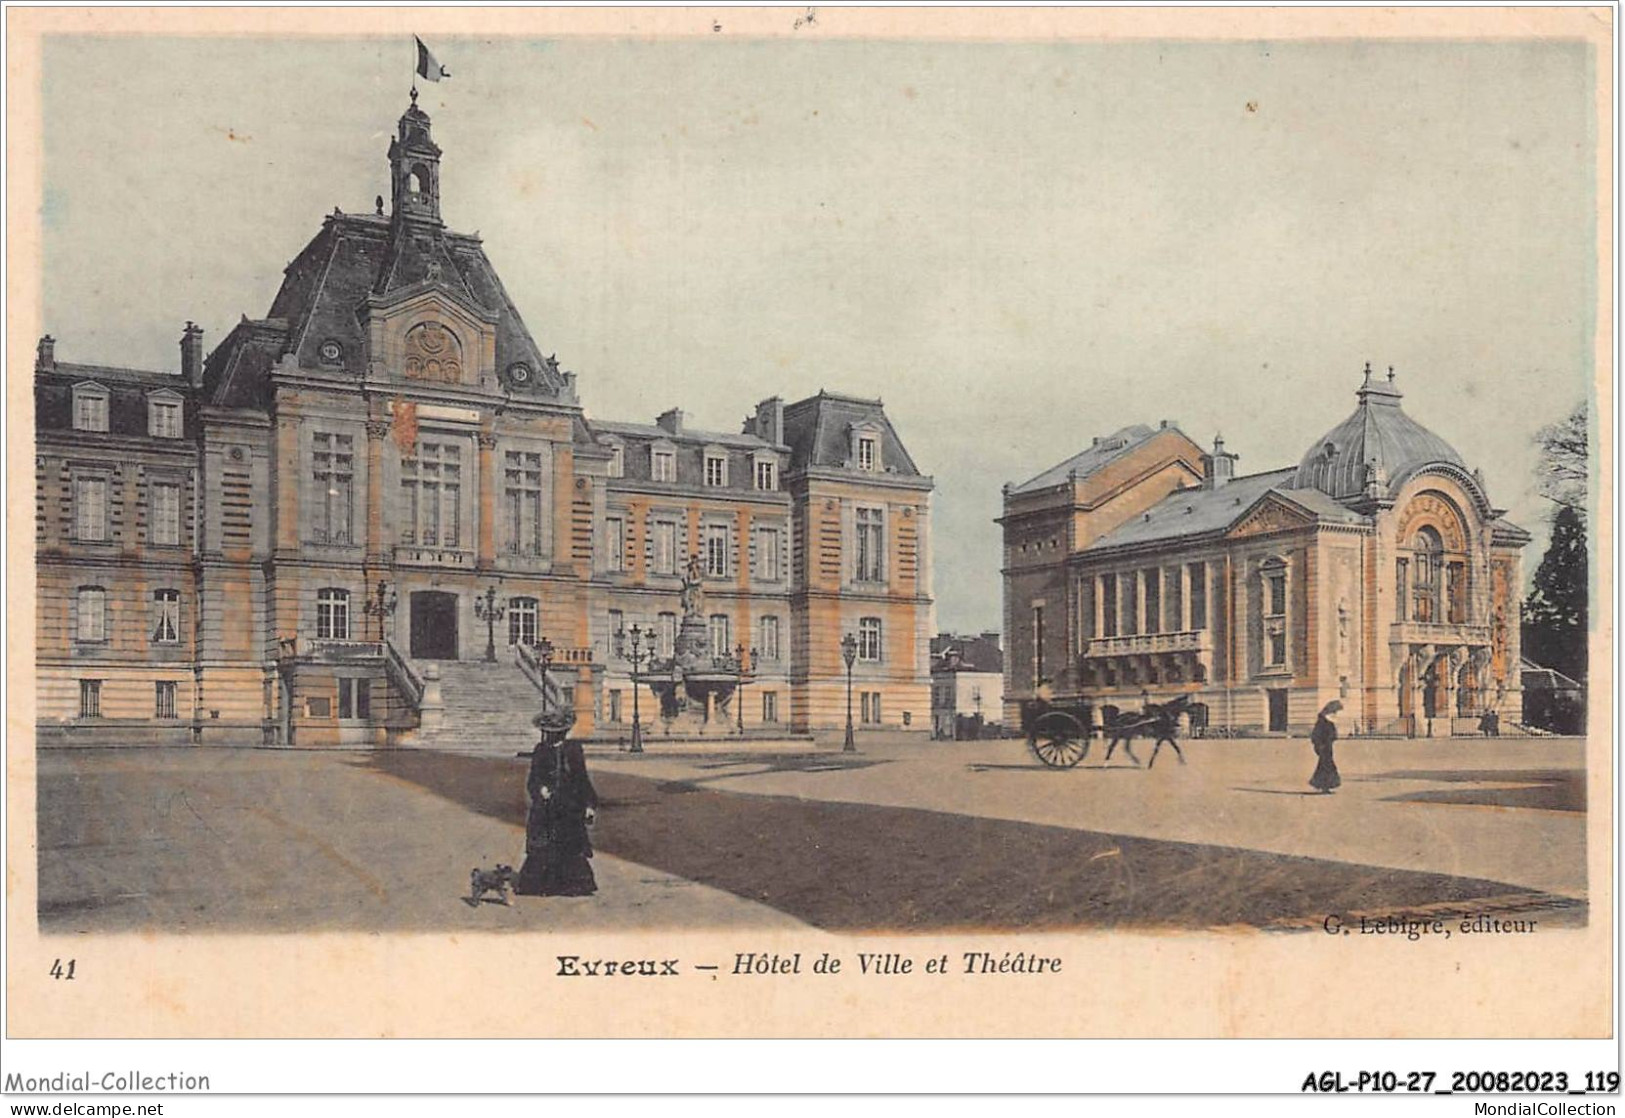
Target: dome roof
{"x":1380,"y":438}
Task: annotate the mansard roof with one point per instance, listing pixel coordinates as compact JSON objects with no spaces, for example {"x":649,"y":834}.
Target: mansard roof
{"x":818,"y":432}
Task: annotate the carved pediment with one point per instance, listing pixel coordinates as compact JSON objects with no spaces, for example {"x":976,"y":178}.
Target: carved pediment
{"x":1270,"y":514}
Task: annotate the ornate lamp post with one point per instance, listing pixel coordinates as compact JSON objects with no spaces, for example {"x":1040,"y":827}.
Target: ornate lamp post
{"x":635,"y":654}
{"x":544,"y":656}
{"x":740,"y":671}
{"x":381,"y":604}
{"x":487,"y":609}
{"x":849,"y":653}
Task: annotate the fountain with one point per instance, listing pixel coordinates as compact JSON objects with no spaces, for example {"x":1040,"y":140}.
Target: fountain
{"x":695,"y":688}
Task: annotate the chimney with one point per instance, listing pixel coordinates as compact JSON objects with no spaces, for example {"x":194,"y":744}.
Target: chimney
{"x":671,"y":421}
{"x":1218,"y":467}
{"x":192,"y":355}
{"x":45,"y":355}
{"x":770,"y":420}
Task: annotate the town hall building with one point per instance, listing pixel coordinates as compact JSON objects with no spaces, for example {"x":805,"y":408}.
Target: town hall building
{"x":378,"y":513}
{"x":1376,"y":571}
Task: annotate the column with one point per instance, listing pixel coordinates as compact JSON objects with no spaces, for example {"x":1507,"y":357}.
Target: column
{"x":1100,"y":606}
{"x":488,"y":500}
{"x":1141,"y":622}
{"x":376,"y":430}
{"x":1184,"y":597}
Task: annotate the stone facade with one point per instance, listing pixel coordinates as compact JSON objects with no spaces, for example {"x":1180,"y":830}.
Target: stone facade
{"x":295,"y":539}
{"x":1375,"y":572}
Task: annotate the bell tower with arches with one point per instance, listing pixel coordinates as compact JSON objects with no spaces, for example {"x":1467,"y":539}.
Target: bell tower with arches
{"x":414,"y":168}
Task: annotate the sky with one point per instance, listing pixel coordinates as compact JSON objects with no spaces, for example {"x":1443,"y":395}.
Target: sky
{"x":1016,"y":246}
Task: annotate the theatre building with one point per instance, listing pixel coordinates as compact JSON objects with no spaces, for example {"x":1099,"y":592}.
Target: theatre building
{"x":370,"y":517}
{"x":1375,"y":571}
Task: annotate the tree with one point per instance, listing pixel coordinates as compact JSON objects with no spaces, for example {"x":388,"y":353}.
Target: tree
{"x":1555,"y":613}
{"x":1565,"y":459}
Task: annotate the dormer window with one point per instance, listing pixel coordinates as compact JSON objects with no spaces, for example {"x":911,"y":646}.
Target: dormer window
{"x":662,"y":462}
{"x":867,"y":454}
{"x":164,"y":416}
{"x":89,"y":407}
{"x":716,"y":466}
{"x":617,"y":460}
{"x":767,"y":474}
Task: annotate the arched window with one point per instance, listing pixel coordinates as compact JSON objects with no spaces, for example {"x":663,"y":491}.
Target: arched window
{"x":332,"y":614}
{"x":1427,"y":559}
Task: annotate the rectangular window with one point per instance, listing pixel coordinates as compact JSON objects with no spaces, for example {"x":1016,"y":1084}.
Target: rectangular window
{"x":522,"y":497}
{"x":1108,"y":605}
{"x":1038,"y":644}
{"x":617,"y":460}
{"x":662,"y":465}
{"x":164,"y":419}
{"x":163,"y":699}
{"x":721,"y":638}
{"x":869,"y":645}
{"x":166,"y":514}
{"x":432,"y":483}
{"x":1277,"y":649}
{"x":764,"y":475}
{"x":89,"y":411}
{"x":767,"y":554}
{"x":716,"y":470}
{"x":615,"y":544}
{"x":166,"y":607}
{"x":1131,"y":604}
{"x":871,"y":708}
{"x":767,"y":641}
{"x":346,"y":697}
{"x":333,"y":487}
{"x":90,"y":509}
{"x":92,"y":613}
{"x":333,"y":615}
{"x":1173,"y":594}
{"x":871,"y":545}
{"x":770,"y":706}
{"x":1198,"y":595}
{"x":522,"y":621}
{"x":90,"y":698}
{"x":666,"y":636}
{"x":665,"y":547}
{"x":1277,"y":595}
{"x":716,"y":551}
{"x":866,"y":453}
{"x":617,"y":624}
{"x":1455,"y":588}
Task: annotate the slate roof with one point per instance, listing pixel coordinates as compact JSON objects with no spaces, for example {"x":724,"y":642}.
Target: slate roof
{"x":1378,"y":433}
{"x":969,"y":654}
{"x":1087,"y":461}
{"x":1186,"y":513}
{"x":817,"y":430}
{"x":653,"y":431}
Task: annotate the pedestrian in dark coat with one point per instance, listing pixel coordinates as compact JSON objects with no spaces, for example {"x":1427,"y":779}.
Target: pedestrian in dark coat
{"x":1323,"y":736}
{"x":562,"y":805}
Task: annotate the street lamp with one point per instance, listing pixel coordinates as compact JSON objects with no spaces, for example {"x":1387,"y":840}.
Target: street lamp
{"x":381,"y":605}
{"x":739,"y":687}
{"x":636,"y":654}
{"x":849,"y":653}
{"x":544,"y":657}
{"x":487,"y":609}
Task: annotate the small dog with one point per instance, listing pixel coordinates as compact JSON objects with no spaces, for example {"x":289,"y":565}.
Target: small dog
{"x":481,"y":882}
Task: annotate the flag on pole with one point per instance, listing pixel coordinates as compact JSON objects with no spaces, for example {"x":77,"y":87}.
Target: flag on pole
{"x":429,"y":69}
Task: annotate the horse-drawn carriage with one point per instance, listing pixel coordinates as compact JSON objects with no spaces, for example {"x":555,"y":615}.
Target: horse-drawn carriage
{"x":1059,"y":733}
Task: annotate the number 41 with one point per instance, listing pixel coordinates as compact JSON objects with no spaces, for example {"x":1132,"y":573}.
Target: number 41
{"x":60,"y":971}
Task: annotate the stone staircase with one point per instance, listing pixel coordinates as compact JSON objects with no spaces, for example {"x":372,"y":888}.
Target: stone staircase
{"x":488,"y":708}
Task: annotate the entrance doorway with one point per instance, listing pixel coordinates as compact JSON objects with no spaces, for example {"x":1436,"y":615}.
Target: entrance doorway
{"x":434,"y":625}
{"x":1277,"y":700}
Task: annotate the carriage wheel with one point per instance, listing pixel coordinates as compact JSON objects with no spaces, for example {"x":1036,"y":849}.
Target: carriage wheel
{"x":1058,"y":740}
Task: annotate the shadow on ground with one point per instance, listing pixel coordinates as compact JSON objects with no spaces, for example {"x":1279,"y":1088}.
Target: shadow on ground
{"x":857,"y":866}
{"x":1545,"y":789}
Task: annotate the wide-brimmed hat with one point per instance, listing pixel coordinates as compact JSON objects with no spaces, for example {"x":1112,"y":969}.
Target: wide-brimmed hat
{"x":554,"y":720}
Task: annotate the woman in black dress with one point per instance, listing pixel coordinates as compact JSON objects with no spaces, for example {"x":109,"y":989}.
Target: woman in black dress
{"x":1323,"y":736}
{"x":562,"y":805}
